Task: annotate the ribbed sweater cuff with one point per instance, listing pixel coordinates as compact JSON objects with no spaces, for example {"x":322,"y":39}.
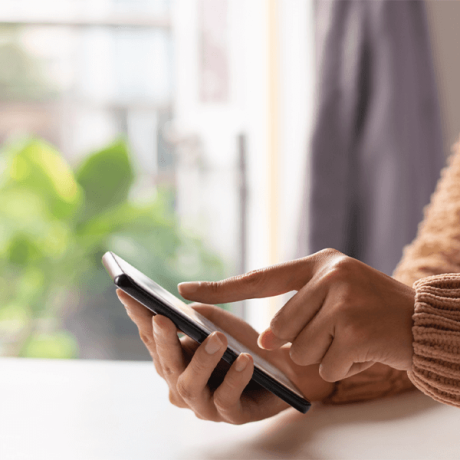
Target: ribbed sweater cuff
{"x":436,"y":362}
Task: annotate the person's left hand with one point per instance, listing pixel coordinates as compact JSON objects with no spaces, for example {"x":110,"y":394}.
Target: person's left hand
{"x":199,"y":380}
{"x":346,"y":316}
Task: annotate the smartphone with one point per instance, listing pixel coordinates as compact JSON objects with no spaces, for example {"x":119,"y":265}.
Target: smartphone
{"x":196,"y":326}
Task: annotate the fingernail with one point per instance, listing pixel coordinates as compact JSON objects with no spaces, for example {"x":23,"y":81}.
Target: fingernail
{"x":213,"y":344}
{"x":189,"y":287}
{"x":241,"y":363}
{"x":268,"y":341}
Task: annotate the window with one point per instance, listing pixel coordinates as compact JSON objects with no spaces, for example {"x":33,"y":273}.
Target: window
{"x":213,"y":97}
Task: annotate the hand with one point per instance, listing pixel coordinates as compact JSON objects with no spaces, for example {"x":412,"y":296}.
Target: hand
{"x":346,"y":316}
{"x":201,"y":381}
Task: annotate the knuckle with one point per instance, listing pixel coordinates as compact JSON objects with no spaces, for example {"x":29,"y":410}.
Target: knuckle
{"x":168,"y":371}
{"x":172,"y":398}
{"x":146,"y":338}
{"x":340,"y":269}
{"x":345,"y":263}
{"x":221,"y":403}
{"x":342,"y":309}
{"x":354,"y":333}
{"x":226,"y":409}
{"x":328,"y":254}
{"x":176,"y":400}
{"x":334,"y":274}
{"x":345,"y":312}
{"x":207,"y":417}
{"x":184,"y":391}
{"x":213,"y":286}
{"x":235,"y":420}
{"x":254,"y":278}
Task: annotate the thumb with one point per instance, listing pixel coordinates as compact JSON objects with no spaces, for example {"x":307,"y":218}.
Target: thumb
{"x":341,"y":362}
{"x":268,"y":341}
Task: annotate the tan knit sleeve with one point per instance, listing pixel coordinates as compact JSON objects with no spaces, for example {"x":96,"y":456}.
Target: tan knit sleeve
{"x":435,"y":250}
{"x":436,"y":363}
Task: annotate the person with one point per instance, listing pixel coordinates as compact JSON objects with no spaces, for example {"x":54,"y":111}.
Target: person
{"x":350,"y":333}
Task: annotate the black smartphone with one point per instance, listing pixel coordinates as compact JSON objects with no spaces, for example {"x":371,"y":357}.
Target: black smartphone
{"x":196,"y":326}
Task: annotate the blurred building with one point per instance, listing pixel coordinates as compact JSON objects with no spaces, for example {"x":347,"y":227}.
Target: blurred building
{"x":214,"y":96}
{"x":201,"y":94}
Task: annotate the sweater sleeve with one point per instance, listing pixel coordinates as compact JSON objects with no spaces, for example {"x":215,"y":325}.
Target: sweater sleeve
{"x":436,"y":363}
{"x":436,"y":249}
{"x":436,"y":329}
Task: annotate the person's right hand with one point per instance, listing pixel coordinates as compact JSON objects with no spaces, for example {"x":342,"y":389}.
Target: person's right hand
{"x":197,"y":377}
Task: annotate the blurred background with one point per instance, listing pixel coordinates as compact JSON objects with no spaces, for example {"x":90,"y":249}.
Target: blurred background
{"x":200,"y":139}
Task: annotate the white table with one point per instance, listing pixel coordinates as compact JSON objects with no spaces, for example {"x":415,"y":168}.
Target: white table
{"x":98,"y":410}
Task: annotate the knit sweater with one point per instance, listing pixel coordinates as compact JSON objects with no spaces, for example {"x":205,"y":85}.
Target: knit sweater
{"x":431,"y":264}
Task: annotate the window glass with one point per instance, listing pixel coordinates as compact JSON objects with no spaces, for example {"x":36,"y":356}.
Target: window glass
{"x":144,"y":127}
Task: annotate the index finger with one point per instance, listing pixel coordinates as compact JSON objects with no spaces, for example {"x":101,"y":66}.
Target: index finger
{"x":266,"y":282}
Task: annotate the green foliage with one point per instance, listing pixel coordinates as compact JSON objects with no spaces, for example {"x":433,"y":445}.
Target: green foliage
{"x":55,"y":225}
{"x":105,"y":191}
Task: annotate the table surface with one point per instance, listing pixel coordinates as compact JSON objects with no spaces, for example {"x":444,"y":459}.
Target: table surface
{"x":98,"y":410}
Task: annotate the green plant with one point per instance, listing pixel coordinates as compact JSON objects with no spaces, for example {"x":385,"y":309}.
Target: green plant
{"x":55,"y":225}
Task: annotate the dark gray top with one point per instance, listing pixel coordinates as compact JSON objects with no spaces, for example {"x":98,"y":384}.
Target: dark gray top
{"x":376,"y":148}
